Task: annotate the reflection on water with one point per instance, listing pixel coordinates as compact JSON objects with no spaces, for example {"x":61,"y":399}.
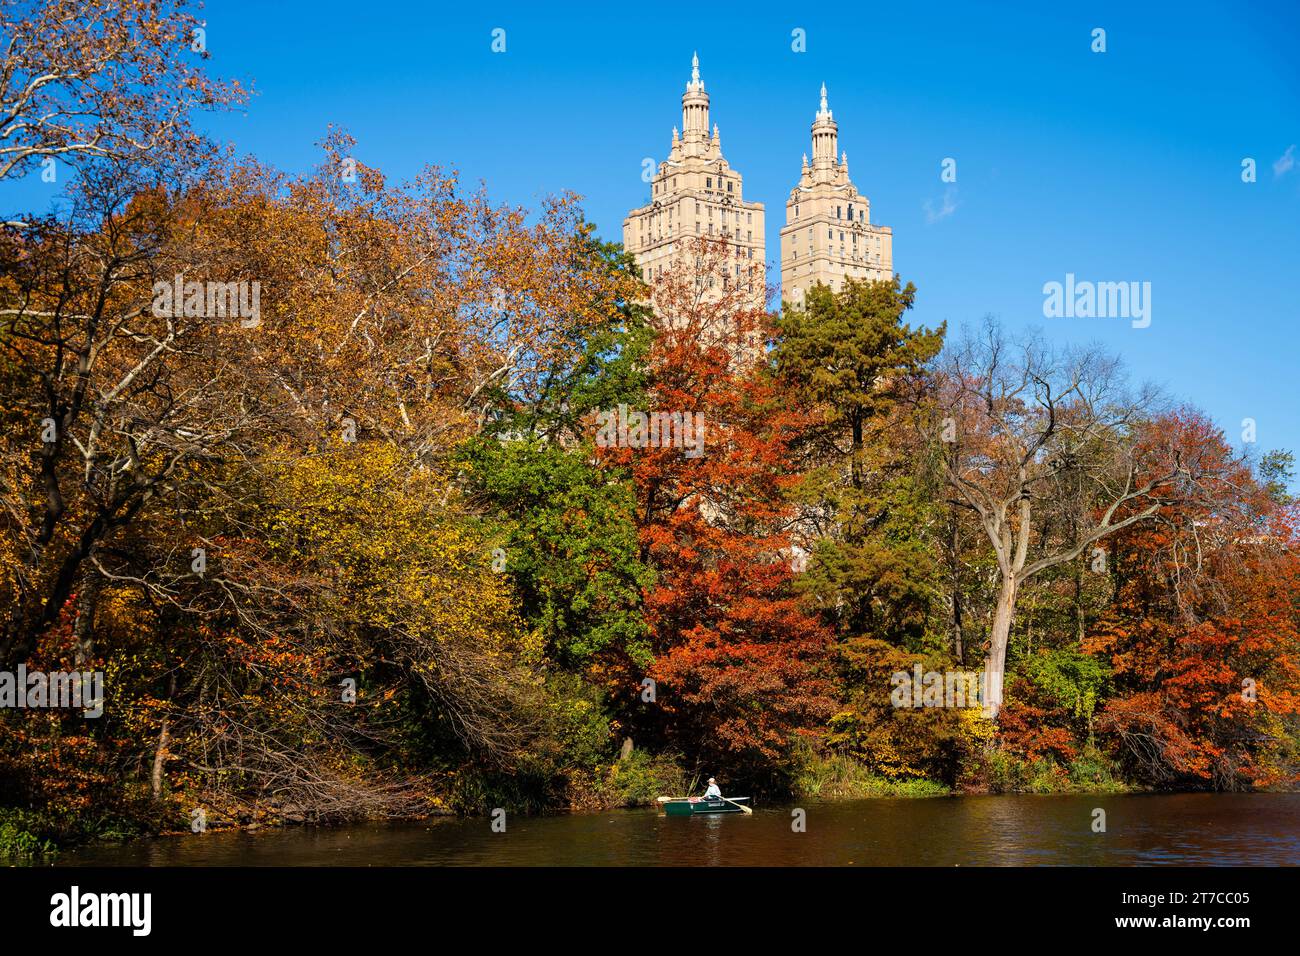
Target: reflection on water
{"x":1187,"y":829}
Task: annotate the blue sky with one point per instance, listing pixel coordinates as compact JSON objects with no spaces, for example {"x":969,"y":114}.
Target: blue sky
{"x":1115,"y":166}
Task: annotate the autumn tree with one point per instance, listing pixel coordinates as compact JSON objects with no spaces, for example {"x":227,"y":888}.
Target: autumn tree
{"x":380,"y":312}
{"x":114,"y":82}
{"x":564,"y":514}
{"x":116,"y":400}
{"x":1203,"y":635}
{"x":145,"y":428}
{"x":738,"y":663}
{"x":1046,"y":447}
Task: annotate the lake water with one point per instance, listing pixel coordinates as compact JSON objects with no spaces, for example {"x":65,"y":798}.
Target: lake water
{"x":1186,"y":829}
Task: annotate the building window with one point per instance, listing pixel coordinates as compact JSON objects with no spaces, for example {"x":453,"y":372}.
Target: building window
{"x":708,"y":182}
{"x":837,"y":213}
{"x":728,"y":185}
{"x":749,"y":217}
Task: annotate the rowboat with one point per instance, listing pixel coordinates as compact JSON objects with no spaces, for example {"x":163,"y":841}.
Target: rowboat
{"x":689,"y":806}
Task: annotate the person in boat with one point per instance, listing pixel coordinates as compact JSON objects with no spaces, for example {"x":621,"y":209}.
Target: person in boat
{"x":713,"y":792}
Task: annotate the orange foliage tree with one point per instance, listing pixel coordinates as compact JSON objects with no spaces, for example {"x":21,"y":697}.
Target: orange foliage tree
{"x":739,"y":664}
{"x":1204,"y":632}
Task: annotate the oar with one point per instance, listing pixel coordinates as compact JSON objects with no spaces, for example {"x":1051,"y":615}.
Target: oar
{"x":741,"y":805}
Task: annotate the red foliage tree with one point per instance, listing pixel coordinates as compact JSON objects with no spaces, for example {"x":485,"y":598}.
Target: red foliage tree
{"x":1204,"y":633}
{"x":739,"y":667}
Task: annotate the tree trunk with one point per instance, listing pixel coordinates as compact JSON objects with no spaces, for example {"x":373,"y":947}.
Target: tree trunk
{"x":954,"y":569}
{"x":957,"y":649}
{"x":1079,"y":629}
{"x":159,"y":756}
{"x":996,"y":662}
{"x":164,"y":737}
{"x":83,"y":629}
{"x":855,"y":454}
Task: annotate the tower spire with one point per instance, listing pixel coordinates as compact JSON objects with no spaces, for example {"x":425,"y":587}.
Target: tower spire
{"x":696,"y":85}
{"x":695,"y":107}
{"x":824,"y":136}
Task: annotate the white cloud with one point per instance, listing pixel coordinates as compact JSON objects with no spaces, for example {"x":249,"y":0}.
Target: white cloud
{"x":946,"y":209}
{"x":1284,"y":163}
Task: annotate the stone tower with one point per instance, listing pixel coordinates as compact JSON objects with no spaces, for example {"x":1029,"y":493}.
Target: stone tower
{"x":696,"y":192}
{"x":828,"y":236}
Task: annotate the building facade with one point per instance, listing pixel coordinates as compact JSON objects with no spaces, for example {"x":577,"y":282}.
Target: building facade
{"x":696,"y":192}
{"x":828,"y":235}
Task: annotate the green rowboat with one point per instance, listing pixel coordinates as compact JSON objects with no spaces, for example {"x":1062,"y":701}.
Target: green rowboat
{"x":690,"y":806}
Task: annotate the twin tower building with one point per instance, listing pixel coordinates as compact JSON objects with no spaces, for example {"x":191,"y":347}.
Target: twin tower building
{"x":828,"y":235}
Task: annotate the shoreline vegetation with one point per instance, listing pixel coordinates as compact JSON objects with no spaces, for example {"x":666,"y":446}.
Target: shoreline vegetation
{"x":635,"y":786}
{"x":364,"y":500}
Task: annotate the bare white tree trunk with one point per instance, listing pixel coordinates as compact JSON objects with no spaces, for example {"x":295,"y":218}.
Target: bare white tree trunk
{"x":995,"y":664}
{"x":1051,"y":437}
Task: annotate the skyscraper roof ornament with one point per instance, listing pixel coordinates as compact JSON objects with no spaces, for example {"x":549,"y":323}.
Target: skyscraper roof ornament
{"x":825,"y":111}
{"x":696,"y":85}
